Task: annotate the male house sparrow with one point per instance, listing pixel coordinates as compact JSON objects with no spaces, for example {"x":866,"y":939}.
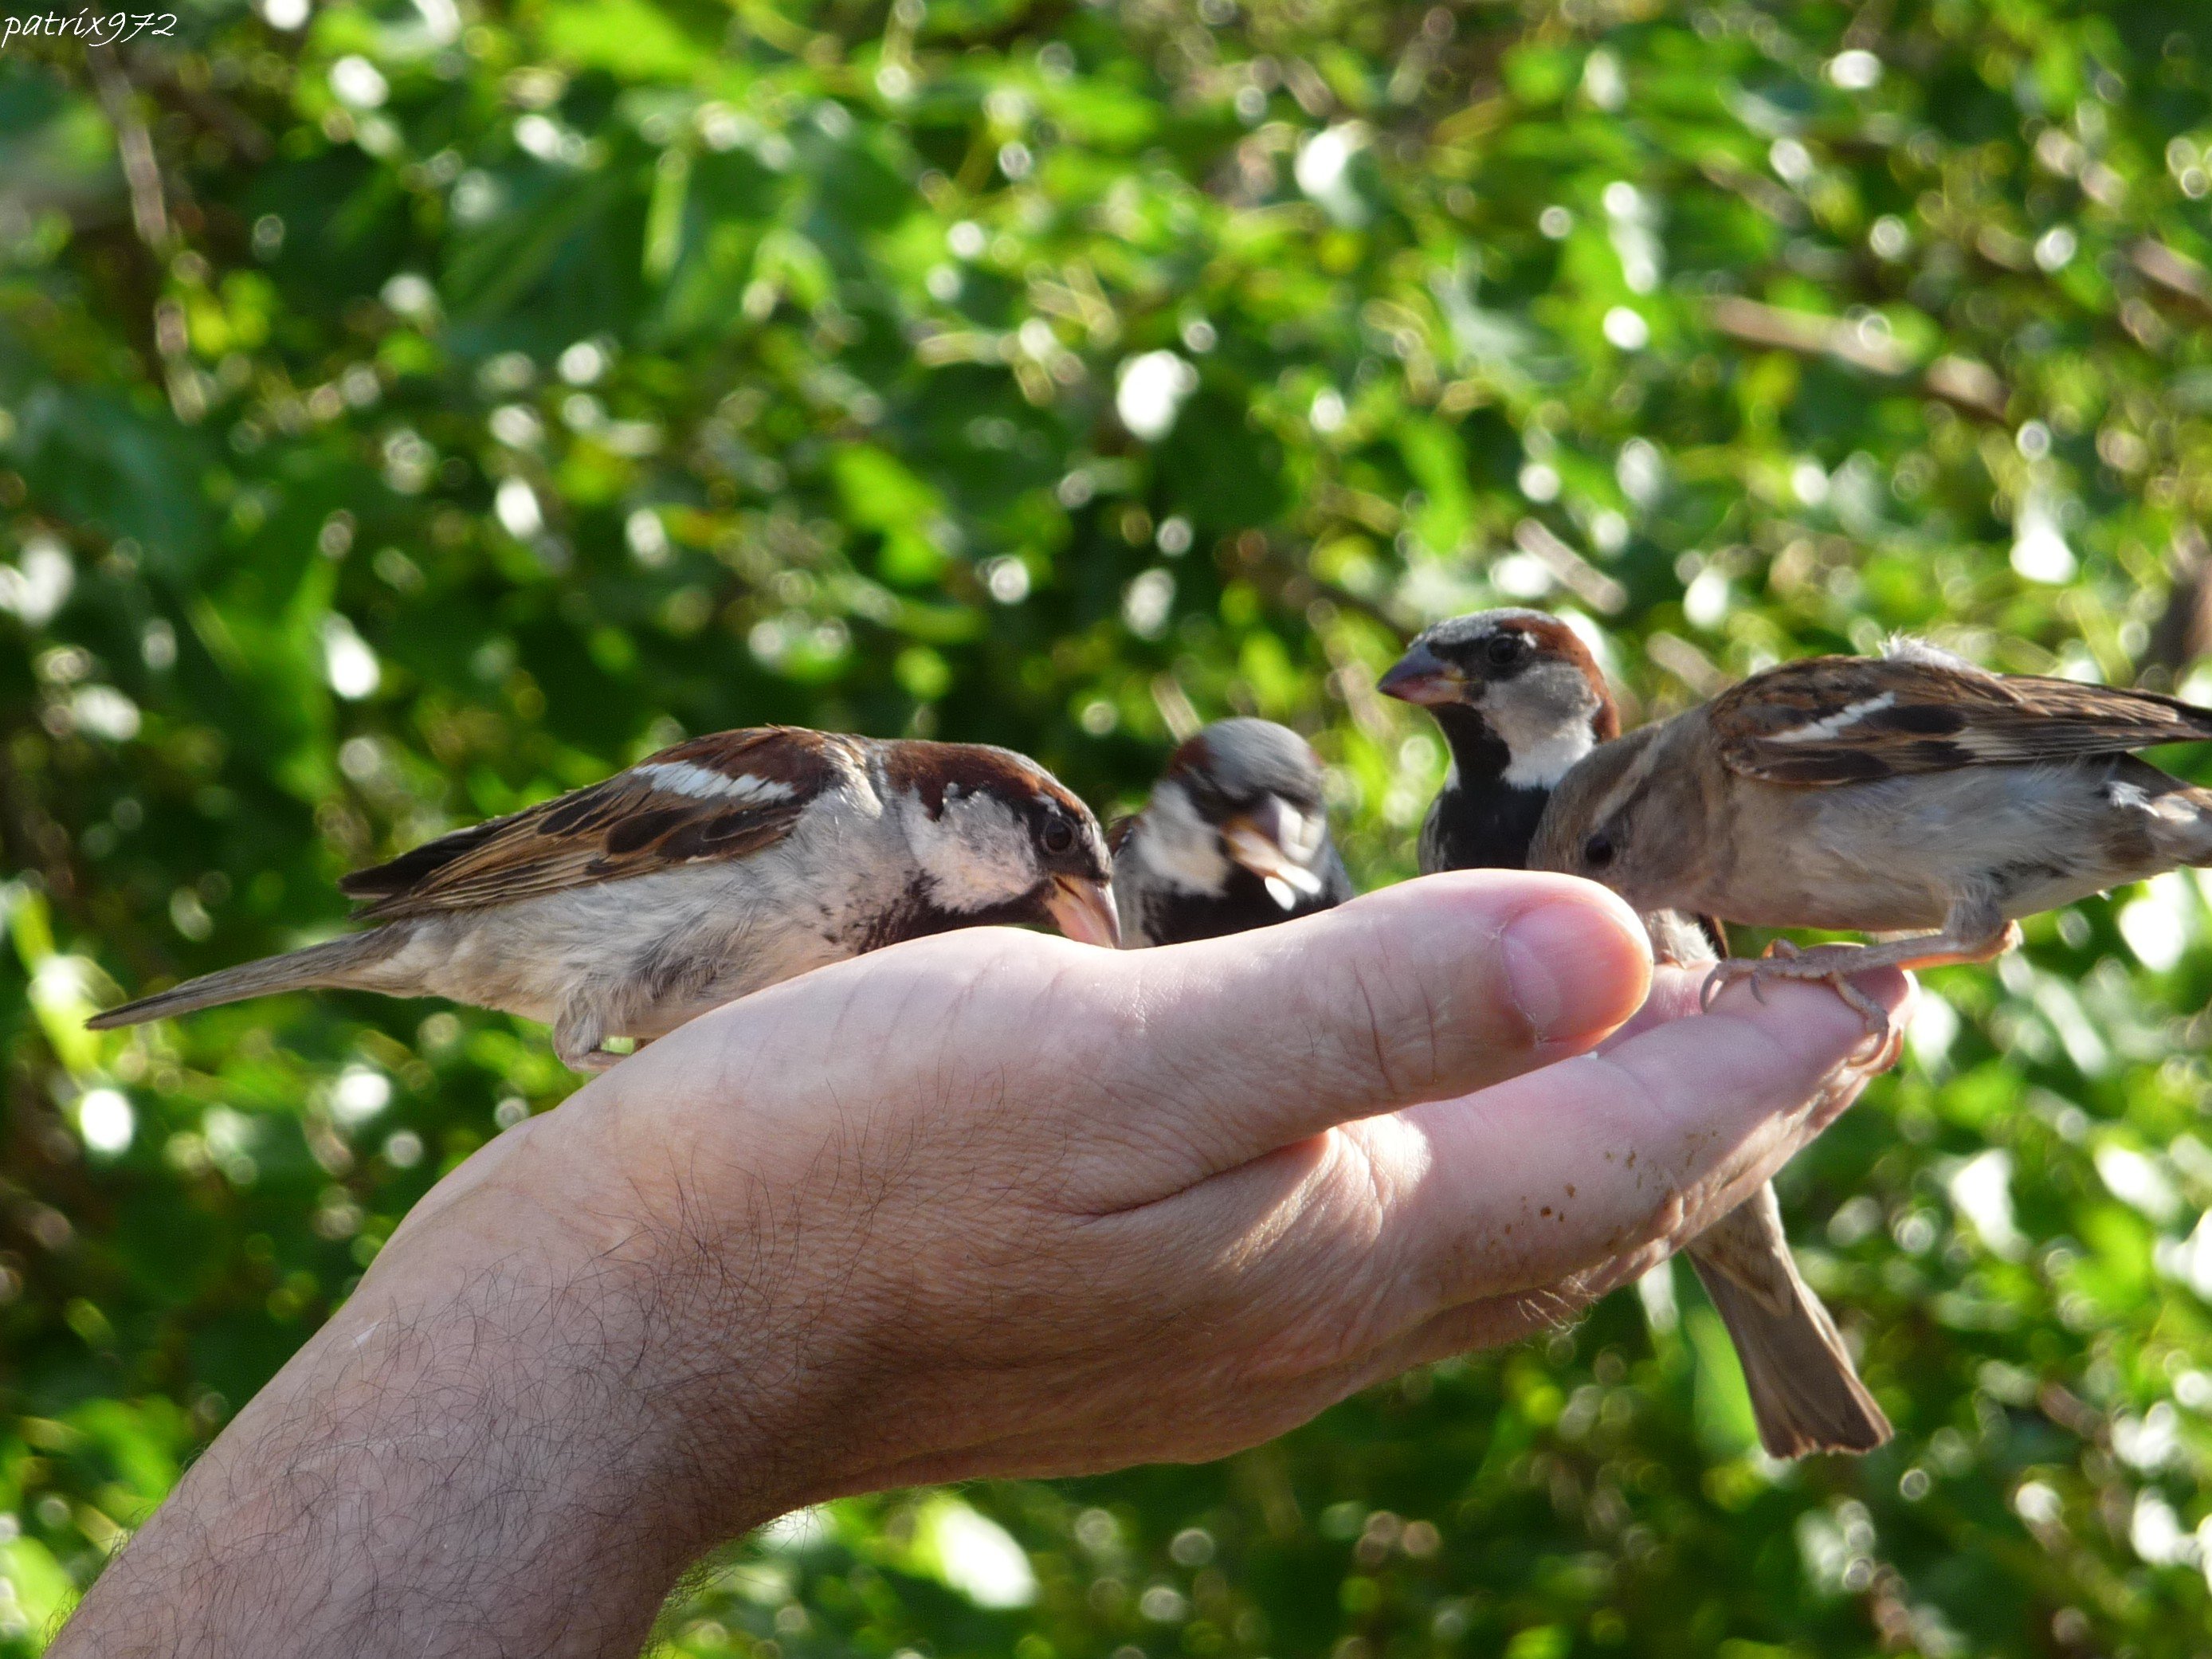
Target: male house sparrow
{"x":1521,"y":700}
{"x":1903,"y":793}
{"x":705,"y":871}
{"x":1236,"y":835}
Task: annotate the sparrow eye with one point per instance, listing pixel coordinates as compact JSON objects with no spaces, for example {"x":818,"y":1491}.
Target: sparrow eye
{"x":1058,"y":835}
{"x":1597,"y":851}
{"x":1504,"y":650}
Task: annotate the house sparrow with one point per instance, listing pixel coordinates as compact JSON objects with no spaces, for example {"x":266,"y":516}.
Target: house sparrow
{"x":1236,"y":835}
{"x":1911,"y":793}
{"x":1521,"y":700}
{"x":703,"y":872}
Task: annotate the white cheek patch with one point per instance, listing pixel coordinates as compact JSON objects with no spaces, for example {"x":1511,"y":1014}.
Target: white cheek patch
{"x":700,"y":783}
{"x":1172,"y":843}
{"x":1543,"y":719}
{"x":974,"y":854}
{"x":1835,"y":725}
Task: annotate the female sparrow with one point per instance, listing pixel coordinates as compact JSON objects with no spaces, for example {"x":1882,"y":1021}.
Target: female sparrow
{"x":1520,"y":700}
{"x":703,"y":872}
{"x":1236,"y":835}
{"x":1911,"y":793}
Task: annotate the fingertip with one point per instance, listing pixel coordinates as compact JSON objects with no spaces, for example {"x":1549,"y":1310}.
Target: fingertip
{"x":1896,"y":991}
{"x":1568,"y":956}
{"x":1897,"y":994}
{"x":1578,"y":963}
{"x":1819,"y":1019}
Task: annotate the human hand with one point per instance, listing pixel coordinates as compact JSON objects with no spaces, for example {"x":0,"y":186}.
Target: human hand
{"x":991,"y":1204}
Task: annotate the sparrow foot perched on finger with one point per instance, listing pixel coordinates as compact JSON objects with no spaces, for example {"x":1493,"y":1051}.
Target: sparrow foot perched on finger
{"x":1909,"y":793}
{"x":1235,"y":837}
{"x":1833,"y":965}
{"x":703,"y":872}
{"x":1521,"y":701}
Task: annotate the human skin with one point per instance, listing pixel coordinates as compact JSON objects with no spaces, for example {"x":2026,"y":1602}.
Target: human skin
{"x":986,"y":1204}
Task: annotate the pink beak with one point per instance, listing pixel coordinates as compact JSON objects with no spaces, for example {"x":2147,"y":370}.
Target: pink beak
{"x":1084,"y":911}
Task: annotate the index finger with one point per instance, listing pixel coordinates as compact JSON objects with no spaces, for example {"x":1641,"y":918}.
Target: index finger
{"x":1547,"y":1176}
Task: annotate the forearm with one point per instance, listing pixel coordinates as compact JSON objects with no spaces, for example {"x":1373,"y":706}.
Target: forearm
{"x":485,"y":1452}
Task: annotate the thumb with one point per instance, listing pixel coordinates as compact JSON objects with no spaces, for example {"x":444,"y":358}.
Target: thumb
{"x":1425,"y":990}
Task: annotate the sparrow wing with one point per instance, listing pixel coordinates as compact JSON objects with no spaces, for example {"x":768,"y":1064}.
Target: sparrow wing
{"x":1847,"y":719}
{"x":717,"y":797}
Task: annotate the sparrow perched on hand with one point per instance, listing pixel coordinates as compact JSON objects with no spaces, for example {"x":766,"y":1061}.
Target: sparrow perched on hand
{"x":1236,"y":835}
{"x":703,"y":872}
{"x":1521,"y":700}
{"x":1910,"y":793}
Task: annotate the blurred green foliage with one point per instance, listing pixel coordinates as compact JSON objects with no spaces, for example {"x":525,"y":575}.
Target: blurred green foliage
{"x":411,"y":409}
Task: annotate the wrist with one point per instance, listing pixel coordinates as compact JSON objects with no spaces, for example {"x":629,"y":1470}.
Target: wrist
{"x":535,"y":1369}
{"x":613,"y":1305}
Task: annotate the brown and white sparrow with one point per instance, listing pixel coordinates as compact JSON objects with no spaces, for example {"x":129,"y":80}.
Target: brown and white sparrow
{"x":1235,"y":837}
{"x":706,"y":870}
{"x":1520,"y":700}
{"x":1912,"y":793}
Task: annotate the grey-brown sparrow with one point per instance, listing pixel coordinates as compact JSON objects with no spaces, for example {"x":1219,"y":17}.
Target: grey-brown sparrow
{"x":706,"y":870}
{"x":1236,"y":835}
{"x":1910,"y":793}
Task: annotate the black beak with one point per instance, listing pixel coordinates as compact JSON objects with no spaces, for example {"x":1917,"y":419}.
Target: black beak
{"x":1421,"y":675}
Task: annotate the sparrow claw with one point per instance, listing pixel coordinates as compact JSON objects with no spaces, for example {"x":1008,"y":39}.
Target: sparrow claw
{"x":1830,"y":964}
{"x":1880,"y":1050}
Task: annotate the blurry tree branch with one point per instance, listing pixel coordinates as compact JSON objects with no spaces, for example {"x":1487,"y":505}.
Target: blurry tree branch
{"x":1961,"y":381}
{"x":134,"y":144}
{"x":2174,"y":271}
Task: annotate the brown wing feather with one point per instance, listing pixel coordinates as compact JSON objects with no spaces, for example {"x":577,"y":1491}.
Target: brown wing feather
{"x":1846,"y":720}
{"x":636,"y":822}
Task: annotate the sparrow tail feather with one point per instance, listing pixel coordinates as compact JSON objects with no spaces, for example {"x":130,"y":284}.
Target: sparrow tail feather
{"x":335,"y":962}
{"x":1806,"y":1395}
{"x":1805,"y":1392}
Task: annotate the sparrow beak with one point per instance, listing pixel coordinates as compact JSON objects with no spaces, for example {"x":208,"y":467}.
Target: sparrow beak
{"x":1277,"y":843}
{"x":1421,"y":675}
{"x":1083,"y":910}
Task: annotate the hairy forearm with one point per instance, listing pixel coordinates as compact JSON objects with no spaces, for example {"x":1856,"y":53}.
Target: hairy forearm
{"x":491,"y":1456}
